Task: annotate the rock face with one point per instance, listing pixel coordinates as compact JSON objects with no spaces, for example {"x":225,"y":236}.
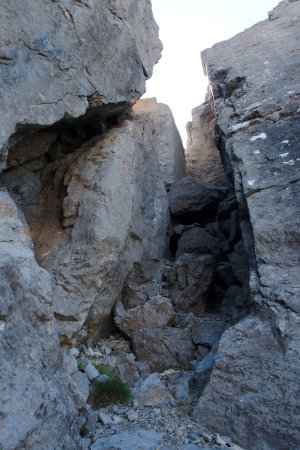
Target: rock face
{"x":167,"y":139}
{"x":255,"y":377}
{"x":36,"y":393}
{"x":203,"y":159}
{"x":62,"y":87}
{"x":58,"y":64}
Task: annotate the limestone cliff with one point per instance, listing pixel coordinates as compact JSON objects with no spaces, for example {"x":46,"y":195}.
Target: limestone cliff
{"x":254,"y":78}
{"x":71,"y":197}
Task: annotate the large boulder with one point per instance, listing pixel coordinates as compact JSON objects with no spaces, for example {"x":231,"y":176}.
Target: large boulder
{"x":197,"y":240}
{"x":203,"y":158}
{"x":166,"y":137}
{"x":67,"y":68}
{"x":63,"y":59}
{"x":189,"y":280}
{"x":164,"y":349}
{"x":255,"y":378}
{"x":157,"y":312}
{"x":190,"y":196}
{"x":94,"y":214}
{"x":37,"y":396}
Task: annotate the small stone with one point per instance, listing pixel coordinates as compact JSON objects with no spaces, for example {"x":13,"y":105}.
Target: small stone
{"x":82,"y":362}
{"x":220,"y":440}
{"x":91,"y":371}
{"x":75,"y":352}
{"x":103,"y":378}
{"x":207,"y":436}
{"x":108,"y":419}
{"x":153,"y":392}
{"x":132,"y":415}
{"x":85,"y":443}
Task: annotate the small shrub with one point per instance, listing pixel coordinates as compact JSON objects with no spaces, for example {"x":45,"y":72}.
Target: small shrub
{"x":108,"y":392}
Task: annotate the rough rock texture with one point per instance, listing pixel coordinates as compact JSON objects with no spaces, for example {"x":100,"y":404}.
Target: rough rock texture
{"x":255,"y":81}
{"x":190,"y":196}
{"x":164,"y":349}
{"x":155,"y":313}
{"x":153,"y":392}
{"x":59,"y":65}
{"x":68,"y":68}
{"x":189,"y":280}
{"x":167,"y":139}
{"x":36,"y":393}
{"x":139,"y":439}
{"x":94,"y":213}
{"x":203,"y":159}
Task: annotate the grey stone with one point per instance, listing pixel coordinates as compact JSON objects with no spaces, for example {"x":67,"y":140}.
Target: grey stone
{"x":202,"y":155}
{"x":69,"y":363}
{"x":75,"y":352}
{"x":36,"y":392}
{"x":157,"y":312}
{"x":188,"y":281}
{"x":226,"y":207}
{"x":167,"y":139}
{"x":240,"y":262}
{"x":207,"y":330}
{"x":91,"y":371}
{"x":128,"y":370}
{"x":225,"y":272}
{"x":72,"y":70}
{"x":138,"y":439}
{"x":83,"y":383}
{"x":29,"y":148}
{"x":109,"y":419}
{"x":152,"y":392}
{"x":260,"y":147}
{"x":198,"y":240}
{"x":110,"y":227}
{"x":132,"y":415}
{"x":102,"y":378}
{"x":205,"y":364}
{"x":191,"y":196}
{"x":163,"y":349}
{"x":85,"y":443}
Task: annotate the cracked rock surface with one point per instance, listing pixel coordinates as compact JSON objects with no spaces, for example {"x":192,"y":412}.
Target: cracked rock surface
{"x":255,"y":86}
{"x":59,"y":65}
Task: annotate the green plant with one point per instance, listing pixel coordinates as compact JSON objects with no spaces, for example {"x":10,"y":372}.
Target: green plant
{"x":105,"y":369}
{"x":114,"y":390}
{"x":181,"y":402}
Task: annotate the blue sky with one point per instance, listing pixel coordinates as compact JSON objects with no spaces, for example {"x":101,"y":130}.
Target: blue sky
{"x":186,"y":28}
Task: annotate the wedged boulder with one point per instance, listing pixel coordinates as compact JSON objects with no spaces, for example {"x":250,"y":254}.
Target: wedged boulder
{"x":197,"y":240}
{"x":58,"y":64}
{"x":167,"y":139}
{"x":193,"y":197}
{"x":157,"y":312}
{"x":189,"y":280}
{"x":164,"y":349}
{"x":203,"y":159}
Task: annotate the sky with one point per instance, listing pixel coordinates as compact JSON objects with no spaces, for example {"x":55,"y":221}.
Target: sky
{"x":186,"y":28}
